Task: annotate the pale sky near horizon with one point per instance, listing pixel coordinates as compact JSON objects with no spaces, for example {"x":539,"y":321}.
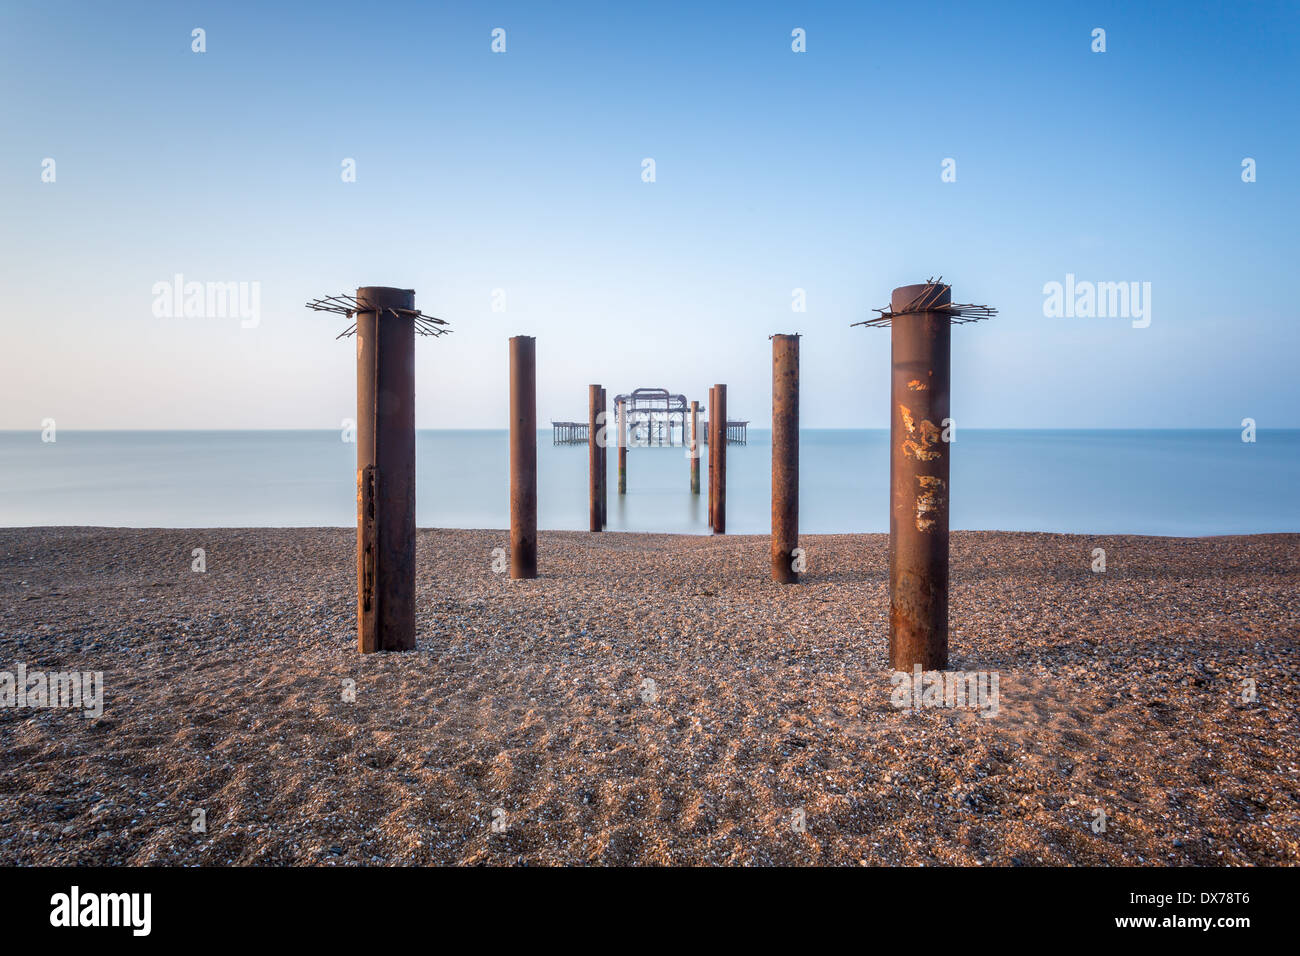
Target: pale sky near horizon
{"x":522,"y":171}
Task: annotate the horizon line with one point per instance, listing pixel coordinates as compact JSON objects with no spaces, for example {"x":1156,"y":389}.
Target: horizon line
{"x":825,"y":428}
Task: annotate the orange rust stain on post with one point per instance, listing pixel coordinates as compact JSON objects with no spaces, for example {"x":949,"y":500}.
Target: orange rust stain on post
{"x":917,"y":385}
{"x":929,"y":502}
{"x":922,"y":450}
{"x":907,"y":418}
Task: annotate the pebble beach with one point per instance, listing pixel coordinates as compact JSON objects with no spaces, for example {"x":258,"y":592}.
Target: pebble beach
{"x":649,"y":699}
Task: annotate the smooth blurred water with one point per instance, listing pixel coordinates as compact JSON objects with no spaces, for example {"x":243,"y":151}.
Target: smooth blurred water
{"x":1176,"y":482}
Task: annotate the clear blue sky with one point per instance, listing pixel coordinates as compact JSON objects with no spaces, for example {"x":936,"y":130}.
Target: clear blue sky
{"x":522,"y":171}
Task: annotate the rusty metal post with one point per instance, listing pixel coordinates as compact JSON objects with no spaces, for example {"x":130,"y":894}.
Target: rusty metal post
{"x":695,"y":448}
{"x":918,"y":484}
{"x":385,"y":469}
{"x":785,"y":457}
{"x":604,"y":461}
{"x":523,"y":457}
{"x":621,"y":424}
{"x":594,"y":470}
{"x":713,"y":396}
{"x":720,"y":480}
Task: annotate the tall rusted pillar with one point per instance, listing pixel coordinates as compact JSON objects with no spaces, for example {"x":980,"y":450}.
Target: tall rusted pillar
{"x":604,"y":461}
{"x":385,"y":469}
{"x":713,"y":395}
{"x":523,"y":457}
{"x":594,"y":470}
{"x":720,"y":453}
{"x":785,"y":457}
{"x":695,"y":448}
{"x":918,"y":480}
{"x":621,"y":424}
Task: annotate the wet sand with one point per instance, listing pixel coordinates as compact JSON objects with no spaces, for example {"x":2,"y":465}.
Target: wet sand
{"x":768,"y":735}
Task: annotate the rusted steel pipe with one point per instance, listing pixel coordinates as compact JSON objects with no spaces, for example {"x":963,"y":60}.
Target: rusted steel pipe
{"x":523,"y":457}
{"x":695,"y":448}
{"x":785,"y":457}
{"x":385,"y":470}
{"x":720,"y":452}
{"x":713,"y":395}
{"x":604,"y":460}
{"x":621,"y":425}
{"x":918,"y":484}
{"x":593,"y":459}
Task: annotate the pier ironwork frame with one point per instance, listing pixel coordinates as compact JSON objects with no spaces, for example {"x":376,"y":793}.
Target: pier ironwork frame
{"x":654,"y":417}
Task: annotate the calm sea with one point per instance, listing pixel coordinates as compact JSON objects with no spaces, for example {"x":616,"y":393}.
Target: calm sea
{"x":1176,"y":482}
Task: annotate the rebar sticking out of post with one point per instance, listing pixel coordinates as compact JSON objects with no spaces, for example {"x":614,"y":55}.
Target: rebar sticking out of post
{"x":695,"y":448}
{"x":785,"y":457}
{"x":523,"y":457}
{"x":593,"y":459}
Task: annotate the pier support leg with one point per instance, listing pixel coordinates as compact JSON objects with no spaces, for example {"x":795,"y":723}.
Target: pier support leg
{"x":785,"y":457}
{"x":604,"y":461}
{"x":523,"y":457}
{"x":918,"y":486}
{"x":713,"y":487}
{"x":622,"y":447}
{"x":593,"y":459}
{"x":695,"y":448}
{"x":719,"y":453}
{"x":385,"y":470}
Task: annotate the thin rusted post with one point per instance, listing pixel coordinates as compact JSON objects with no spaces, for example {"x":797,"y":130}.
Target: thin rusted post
{"x":918,"y":483}
{"x":385,"y":469}
{"x":695,"y":448}
{"x":785,"y":457}
{"x":720,"y":433}
{"x":713,"y":396}
{"x":593,"y":459}
{"x":604,"y":461}
{"x":523,"y":457}
{"x":621,"y":424}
